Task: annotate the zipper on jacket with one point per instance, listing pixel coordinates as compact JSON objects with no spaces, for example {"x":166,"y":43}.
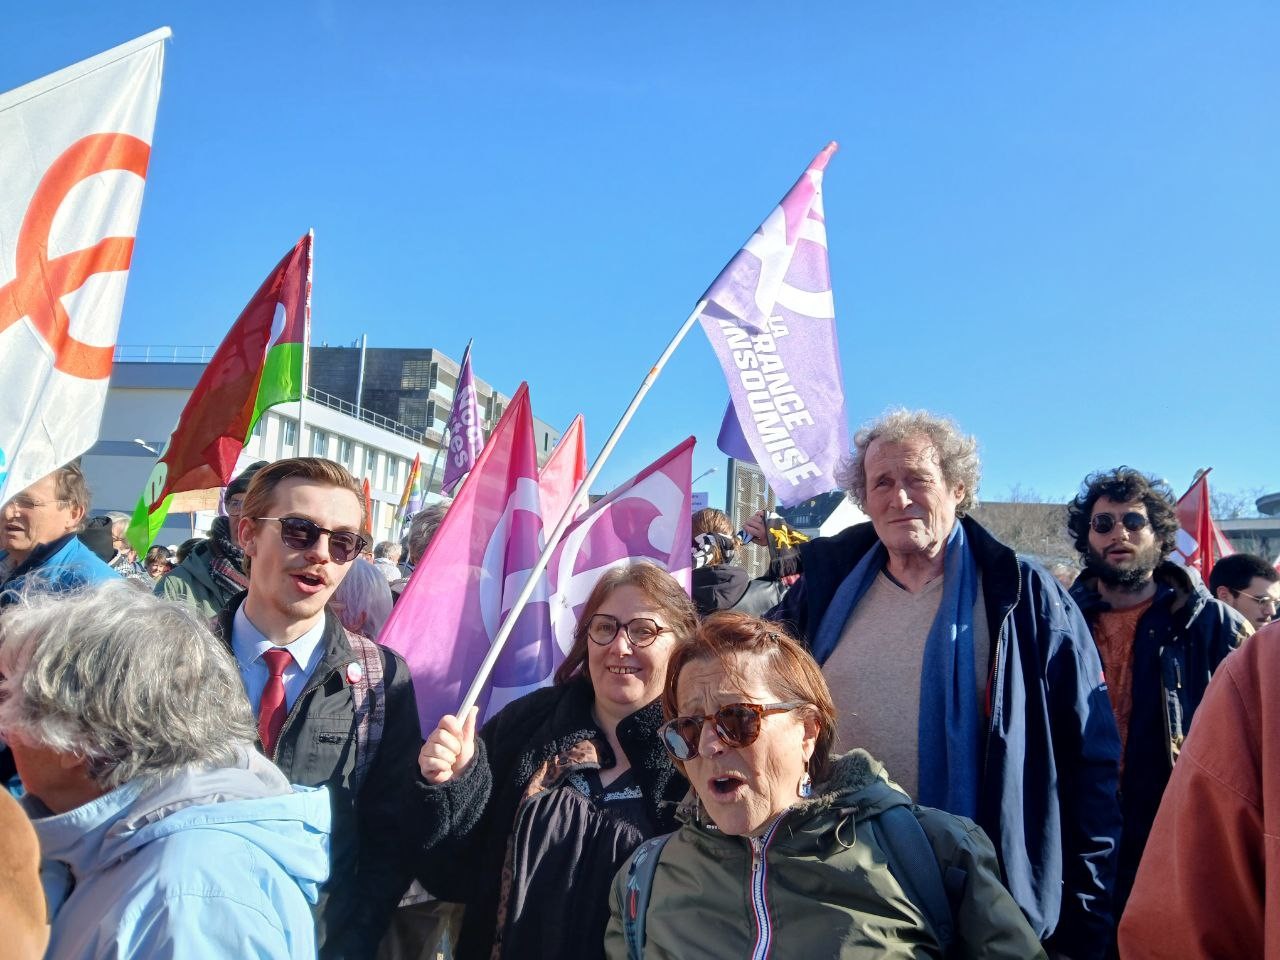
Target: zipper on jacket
{"x":759,"y":900}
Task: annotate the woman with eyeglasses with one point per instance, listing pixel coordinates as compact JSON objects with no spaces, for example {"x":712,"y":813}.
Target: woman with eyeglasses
{"x":529,"y":820}
{"x":787,"y":849}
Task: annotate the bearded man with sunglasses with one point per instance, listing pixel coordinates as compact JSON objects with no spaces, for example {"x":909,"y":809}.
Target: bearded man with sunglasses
{"x":1159,"y":632}
{"x":334,"y":710}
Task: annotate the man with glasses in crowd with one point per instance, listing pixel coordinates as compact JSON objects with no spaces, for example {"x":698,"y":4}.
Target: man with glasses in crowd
{"x":1159,"y":632}
{"x":38,"y":541}
{"x":333,"y":709}
{"x":1249,"y":585}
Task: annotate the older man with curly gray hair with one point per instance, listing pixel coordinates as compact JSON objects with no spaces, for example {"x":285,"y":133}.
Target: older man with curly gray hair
{"x":969,"y":671}
{"x":163,"y":832}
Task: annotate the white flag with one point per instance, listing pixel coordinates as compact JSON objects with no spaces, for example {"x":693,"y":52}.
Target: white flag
{"x":74,"y":148}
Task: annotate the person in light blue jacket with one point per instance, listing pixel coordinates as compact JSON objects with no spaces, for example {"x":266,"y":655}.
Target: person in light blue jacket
{"x":163,"y":833}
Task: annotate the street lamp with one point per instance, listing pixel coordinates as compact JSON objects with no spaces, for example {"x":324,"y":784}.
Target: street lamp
{"x":704,"y":473}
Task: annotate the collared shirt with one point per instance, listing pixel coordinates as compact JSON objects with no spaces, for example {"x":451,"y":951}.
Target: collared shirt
{"x":249,"y":644}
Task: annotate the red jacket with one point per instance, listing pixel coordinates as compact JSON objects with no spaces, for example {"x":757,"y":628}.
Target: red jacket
{"x":1209,"y":882}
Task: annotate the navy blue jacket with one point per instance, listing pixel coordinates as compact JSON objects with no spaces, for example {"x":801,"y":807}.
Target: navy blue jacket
{"x":1178,"y":644}
{"x":1051,"y":756}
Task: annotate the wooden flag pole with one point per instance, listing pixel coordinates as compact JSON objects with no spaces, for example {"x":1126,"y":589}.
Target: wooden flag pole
{"x":579,"y":499}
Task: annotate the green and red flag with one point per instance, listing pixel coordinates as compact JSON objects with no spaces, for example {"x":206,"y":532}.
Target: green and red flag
{"x":258,"y":364}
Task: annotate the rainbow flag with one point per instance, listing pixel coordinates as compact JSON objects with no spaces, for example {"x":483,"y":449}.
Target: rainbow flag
{"x":411,"y":499}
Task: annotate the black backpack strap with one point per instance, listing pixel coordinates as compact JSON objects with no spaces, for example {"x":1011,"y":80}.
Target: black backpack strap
{"x":640,"y":871}
{"x":915,"y":866}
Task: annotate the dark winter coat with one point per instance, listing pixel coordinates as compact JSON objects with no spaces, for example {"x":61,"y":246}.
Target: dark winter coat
{"x":1051,"y":750}
{"x":529,"y":854}
{"x":374,"y":829}
{"x":722,"y":586}
{"x":1178,"y":644}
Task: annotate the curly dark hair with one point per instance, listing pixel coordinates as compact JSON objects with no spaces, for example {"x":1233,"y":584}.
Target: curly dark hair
{"x":1123,"y":485}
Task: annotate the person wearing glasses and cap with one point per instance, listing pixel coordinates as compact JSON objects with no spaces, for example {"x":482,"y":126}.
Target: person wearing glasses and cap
{"x":790,"y":850}
{"x":529,"y":819}
{"x":1159,"y":633}
{"x":333,"y":708}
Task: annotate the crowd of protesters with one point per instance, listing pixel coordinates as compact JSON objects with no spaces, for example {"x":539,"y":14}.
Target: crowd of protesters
{"x":905,"y":741}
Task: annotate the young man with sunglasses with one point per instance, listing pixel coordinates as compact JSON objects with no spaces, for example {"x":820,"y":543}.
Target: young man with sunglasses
{"x":333,"y":710}
{"x":1159,"y":632}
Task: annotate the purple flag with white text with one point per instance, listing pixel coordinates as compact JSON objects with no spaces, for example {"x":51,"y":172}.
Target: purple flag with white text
{"x":770,"y":318}
{"x":466,"y":436}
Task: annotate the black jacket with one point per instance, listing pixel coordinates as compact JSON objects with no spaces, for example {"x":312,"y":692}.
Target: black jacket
{"x":722,"y":586}
{"x":373,"y":830}
{"x":1177,"y":646}
{"x":1048,"y":792}
{"x":508,"y":836}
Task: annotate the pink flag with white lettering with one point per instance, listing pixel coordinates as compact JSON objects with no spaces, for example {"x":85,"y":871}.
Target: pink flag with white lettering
{"x":646,"y":518}
{"x":473,"y":570}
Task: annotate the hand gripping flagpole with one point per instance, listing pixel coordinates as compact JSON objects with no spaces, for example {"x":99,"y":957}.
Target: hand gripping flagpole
{"x":579,"y":498}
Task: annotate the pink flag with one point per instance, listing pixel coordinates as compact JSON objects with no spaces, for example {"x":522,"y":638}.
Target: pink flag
{"x":466,"y":435}
{"x":563,"y":472}
{"x":647,"y":518}
{"x":474,"y":568}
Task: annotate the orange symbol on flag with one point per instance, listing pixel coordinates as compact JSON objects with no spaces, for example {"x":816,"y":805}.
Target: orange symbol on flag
{"x":40,"y":283}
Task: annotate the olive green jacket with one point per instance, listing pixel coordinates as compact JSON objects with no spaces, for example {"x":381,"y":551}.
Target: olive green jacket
{"x":817,"y":884}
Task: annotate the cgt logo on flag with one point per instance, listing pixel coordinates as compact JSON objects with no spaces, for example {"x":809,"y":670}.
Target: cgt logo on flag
{"x":41,"y":283}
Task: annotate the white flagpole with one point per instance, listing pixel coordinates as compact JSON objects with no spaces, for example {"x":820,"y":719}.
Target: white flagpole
{"x":579,"y":497}
{"x":306,"y":343}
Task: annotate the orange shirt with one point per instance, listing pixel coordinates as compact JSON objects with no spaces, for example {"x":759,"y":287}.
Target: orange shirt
{"x":1113,"y":632}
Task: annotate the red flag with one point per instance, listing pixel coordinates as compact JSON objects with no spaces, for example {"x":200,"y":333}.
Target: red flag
{"x":212,"y":428}
{"x":1200,"y":543}
{"x":563,"y":471}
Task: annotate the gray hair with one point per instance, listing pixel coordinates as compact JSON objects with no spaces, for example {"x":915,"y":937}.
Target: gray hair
{"x":363,"y":599}
{"x":423,"y":527}
{"x":387,"y":549}
{"x":955,"y":452}
{"x":135,"y":685}
{"x":119,"y":521}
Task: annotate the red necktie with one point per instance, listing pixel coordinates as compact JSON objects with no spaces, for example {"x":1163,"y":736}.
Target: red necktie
{"x":271,"y":707}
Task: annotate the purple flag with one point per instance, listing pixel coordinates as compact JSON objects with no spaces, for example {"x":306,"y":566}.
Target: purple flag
{"x":468,"y":579}
{"x":466,"y":437}
{"x":770,"y":318}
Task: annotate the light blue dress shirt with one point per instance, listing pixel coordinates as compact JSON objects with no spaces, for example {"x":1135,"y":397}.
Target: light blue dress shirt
{"x":249,"y":644}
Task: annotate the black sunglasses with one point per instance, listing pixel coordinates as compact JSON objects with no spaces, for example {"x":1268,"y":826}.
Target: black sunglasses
{"x":1133,"y":522}
{"x":736,"y":724}
{"x":301,"y":533}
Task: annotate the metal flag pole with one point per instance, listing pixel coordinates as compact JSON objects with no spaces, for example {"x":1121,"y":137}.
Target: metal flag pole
{"x":579,"y":498}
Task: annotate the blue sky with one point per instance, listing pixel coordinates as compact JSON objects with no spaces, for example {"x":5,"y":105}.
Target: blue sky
{"x":1057,"y":223}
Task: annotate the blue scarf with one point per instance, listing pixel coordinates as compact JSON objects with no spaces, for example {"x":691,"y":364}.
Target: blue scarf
{"x":949,"y":726}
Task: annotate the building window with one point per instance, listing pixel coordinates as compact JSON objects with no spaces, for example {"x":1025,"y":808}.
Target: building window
{"x":344,"y":452}
{"x":319,"y":443}
{"x":288,"y":433}
{"x":370,"y":462}
{"x":258,"y":426}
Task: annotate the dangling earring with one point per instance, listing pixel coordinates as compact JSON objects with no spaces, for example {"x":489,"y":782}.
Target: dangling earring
{"x":805,"y":790}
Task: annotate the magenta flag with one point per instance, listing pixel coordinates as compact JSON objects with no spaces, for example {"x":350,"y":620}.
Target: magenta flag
{"x":475,"y":567}
{"x":466,"y":436}
{"x":563,"y":471}
{"x":646,"y":518}
{"x":770,"y":318}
